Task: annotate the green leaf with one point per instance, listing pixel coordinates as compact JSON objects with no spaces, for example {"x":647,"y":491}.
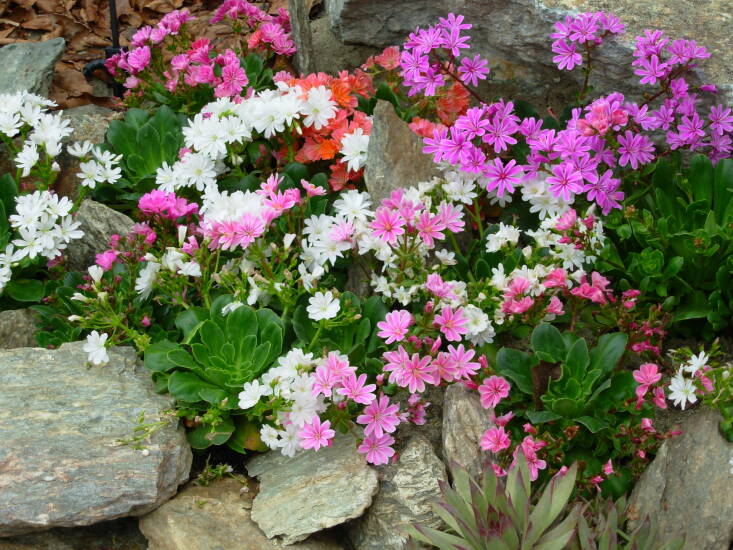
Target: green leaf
{"x":539,"y":417}
{"x":246,"y":436}
{"x":189,"y":320}
{"x":723,"y":191}
{"x":701,"y":179}
{"x":607,"y":353}
{"x":593,"y":424}
{"x":185,"y":386}
{"x":548,"y":343}
{"x":182,"y":358}
{"x":517,"y":366}
{"x":577,"y":360}
{"x":8,"y":192}
{"x":207,"y":435}
{"x":26,"y":290}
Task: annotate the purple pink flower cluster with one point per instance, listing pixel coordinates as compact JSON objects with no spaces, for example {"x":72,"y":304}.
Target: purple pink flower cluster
{"x":585,"y":31}
{"x":166,"y":205}
{"x":268,"y":31}
{"x":424,"y":69}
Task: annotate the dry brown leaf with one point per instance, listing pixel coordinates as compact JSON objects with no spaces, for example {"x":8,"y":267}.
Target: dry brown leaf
{"x":72,"y":81}
{"x":48,"y":6}
{"x":27,"y":4}
{"x":41,"y":23}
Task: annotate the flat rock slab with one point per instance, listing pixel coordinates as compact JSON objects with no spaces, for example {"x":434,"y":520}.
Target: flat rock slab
{"x":311,"y":491}
{"x":688,"y":488}
{"x":60,"y":420}
{"x":29,"y":65}
{"x":407,"y":490}
{"x":216,"y":517}
{"x":464,"y":422}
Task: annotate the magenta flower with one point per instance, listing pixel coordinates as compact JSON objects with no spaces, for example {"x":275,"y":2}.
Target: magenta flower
{"x":316,"y":434}
{"x":499,"y":133}
{"x":388,"y":225}
{"x":377,"y":449}
{"x":494,"y":440}
{"x":567,"y":55}
{"x":356,"y":389}
{"x":492,"y":391}
{"x":395,"y":325}
{"x":473,"y":70}
{"x":635,"y":149}
{"x":565,"y":180}
{"x":451,"y":323}
{"x":233,"y":79}
{"x":429,"y":228}
{"x":651,"y":69}
{"x":503,"y":178}
{"x":379,"y":417}
{"x":138,"y":59}
{"x":721,"y":120}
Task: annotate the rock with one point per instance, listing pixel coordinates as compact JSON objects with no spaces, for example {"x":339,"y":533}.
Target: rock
{"x":319,"y":47}
{"x":90,"y":123}
{"x":395,"y":157}
{"x":464,"y":422}
{"x":406,"y":491}
{"x":120,"y":534}
{"x":211,"y":518}
{"x":60,"y":420}
{"x":311,"y":491}
{"x":29,"y":65}
{"x":99,"y":223}
{"x":17,"y":329}
{"x":687,"y":487}
{"x":514,"y":36}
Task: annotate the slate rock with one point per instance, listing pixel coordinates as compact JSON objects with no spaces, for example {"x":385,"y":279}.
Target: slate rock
{"x":215,"y":517}
{"x":394,"y":156}
{"x":99,"y":223}
{"x":17,"y":329}
{"x":60,"y":420}
{"x":119,"y":534}
{"x":464,"y":422}
{"x":29,"y":65}
{"x":407,"y":490}
{"x":311,"y":491}
{"x":688,"y":487}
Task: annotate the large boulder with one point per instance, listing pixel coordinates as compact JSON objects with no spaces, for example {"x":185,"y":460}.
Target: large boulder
{"x":17,"y":329}
{"x":29,"y":65}
{"x":60,"y":423}
{"x":311,"y":491}
{"x":407,"y":490}
{"x":394,"y":156}
{"x":514,"y":36}
{"x":99,"y":223}
{"x":212,"y":518}
{"x":688,"y":487}
{"x":464,"y":422}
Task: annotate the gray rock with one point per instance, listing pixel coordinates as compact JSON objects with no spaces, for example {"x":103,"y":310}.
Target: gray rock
{"x":60,"y":420}
{"x":688,"y":486}
{"x":99,"y":223}
{"x":90,"y":123}
{"x":29,"y":65}
{"x":514,"y":36}
{"x":17,"y":329}
{"x":395,"y":157}
{"x":212,"y":518}
{"x":406,"y":491}
{"x":464,"y":422}
{"x":119,"y":534}
{"x":311,"y":491}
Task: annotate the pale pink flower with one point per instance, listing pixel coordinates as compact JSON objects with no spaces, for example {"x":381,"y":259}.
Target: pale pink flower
{"x":555,"y":306}
{"x":646,"y":375}
{"x":388,"y":225}
{"x":647,"y":425}
{"x":608,"y":468}
{"x":377,"y":448}
{"x":452,"y":323}
{"x":461,"y":357}
{"x":356,"y":389}
{"x":316,"y":434}
{"x":395,"y":325}
{"x":415,"y":372}
{"x":379,"y":417}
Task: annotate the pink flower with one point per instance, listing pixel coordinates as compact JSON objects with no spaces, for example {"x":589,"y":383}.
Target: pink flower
{"x":106,"y":259}
{"x":608,"y":468}
{"x":556,"y":278}
{"x":377,"y":449}
{"x":356,"y":389}
{"x":555,"y":306}
{"x":492,"y":391}
{"x":138,"y":59}
{"x":452,"y":324}
{"x":430,"y":228}
{"x":659,"y":399}
{"x":646,"y":375}
{"x":461,"y":359}
{"x":388,"y":225}
{"x":415,"y":372}
{"x":647,"y":425}
{"x":316,"y":434}
{"x":395,"y":325}
{"x":495,"y":440}
{"x":233,"y":79}
{"x":379,"y":417}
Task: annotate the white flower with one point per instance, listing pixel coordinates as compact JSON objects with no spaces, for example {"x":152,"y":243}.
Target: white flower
{"x":696,"y":362}
{"x":290,"y":442}
{"x":354,"y":149}
{"x":682,"y":391}
{"x":95,"y":349}
{"x":189,"y":269}
{"x":446,"y":257}
{"x":95,"y":272}
{"x":91,"y":174}
{"x":231,"y":306}
{"x":251,"y":393}
{"x":270,"y":436}
{"x":146,"y":279}
{"x":27,"y":158}
{"x":323,"y":305}
{"x":318,"y":107}
{"x":79,"y":148}
{"x":354,"y":205}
